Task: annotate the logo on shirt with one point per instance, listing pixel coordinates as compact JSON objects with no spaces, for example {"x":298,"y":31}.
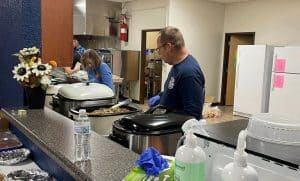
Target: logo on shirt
{"x":171,"y":83}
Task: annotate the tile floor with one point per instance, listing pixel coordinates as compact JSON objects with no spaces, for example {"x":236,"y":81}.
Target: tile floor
{"x":225,"y":116}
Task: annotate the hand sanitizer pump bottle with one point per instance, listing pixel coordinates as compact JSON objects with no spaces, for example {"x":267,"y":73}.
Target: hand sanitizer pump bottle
{"x":239,"y":170}
{"x":189,"y":160}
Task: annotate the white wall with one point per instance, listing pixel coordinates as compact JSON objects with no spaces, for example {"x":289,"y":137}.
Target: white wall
{"x":275,"y":22}
{"x":201,"y":23}
{"x":144,"y":14}
{"x":141,"y":20}
{"x":204,"y":25}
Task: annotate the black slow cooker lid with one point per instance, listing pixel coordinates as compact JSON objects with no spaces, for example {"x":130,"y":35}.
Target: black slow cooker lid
{"x":147,"y":123}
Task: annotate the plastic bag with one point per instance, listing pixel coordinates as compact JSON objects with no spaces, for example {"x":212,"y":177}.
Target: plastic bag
{"x":211,"y":112}
{"x":208,"y":111}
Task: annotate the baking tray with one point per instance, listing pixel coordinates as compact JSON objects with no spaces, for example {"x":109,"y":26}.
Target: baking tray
{"x":89,"y":110}
{"x":9,"y":141}
{"x":29,"y":175}
{"x":15,"y":156}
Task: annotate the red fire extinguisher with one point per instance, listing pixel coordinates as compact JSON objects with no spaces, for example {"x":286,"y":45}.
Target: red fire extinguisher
{"x":123,"y":30}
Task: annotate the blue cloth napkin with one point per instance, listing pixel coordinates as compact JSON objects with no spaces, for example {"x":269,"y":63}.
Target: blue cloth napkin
{"x":152,"y":162}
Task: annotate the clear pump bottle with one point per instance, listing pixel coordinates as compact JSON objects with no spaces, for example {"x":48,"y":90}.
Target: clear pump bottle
{"x":239,"y":170}
{"x":190,"y":160}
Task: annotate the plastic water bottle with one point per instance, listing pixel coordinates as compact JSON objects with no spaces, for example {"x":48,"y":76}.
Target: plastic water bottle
{"x":82,"y":133}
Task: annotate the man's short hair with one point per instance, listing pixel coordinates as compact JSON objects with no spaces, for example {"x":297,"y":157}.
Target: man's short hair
{"x":172,"y":35}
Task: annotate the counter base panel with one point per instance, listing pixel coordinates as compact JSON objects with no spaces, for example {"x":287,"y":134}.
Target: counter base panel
{"x":40,"y":158}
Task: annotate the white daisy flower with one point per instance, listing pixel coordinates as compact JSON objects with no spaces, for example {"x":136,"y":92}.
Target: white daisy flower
{"x":34,"y":50}
{"x":29,"y":51}
{"x":21,"y":58}
{"x":45,"y":80}
{"x":21,"y":52}
{"x":40,"y":69}
{"x":21,"y":72}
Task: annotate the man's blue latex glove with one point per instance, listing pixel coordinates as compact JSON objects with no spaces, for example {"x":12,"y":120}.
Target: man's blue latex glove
{"x":153,"y":101}
{"x":152,"y":162}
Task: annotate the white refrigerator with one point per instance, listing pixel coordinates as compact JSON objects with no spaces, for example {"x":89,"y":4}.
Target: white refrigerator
{"x":285,"y":84}
{"x":252,"y":82}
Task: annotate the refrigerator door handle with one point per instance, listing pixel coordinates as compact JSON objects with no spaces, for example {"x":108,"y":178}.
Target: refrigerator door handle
{"x":274,"y":63}
{"x":272,"y":81}
{"x":237,"y":74}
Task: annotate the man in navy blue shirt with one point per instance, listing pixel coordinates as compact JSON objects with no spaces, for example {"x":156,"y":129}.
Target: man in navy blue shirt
{"x":77,"y":47}
{"x":78,"y":51}
{"x":184,"y":87}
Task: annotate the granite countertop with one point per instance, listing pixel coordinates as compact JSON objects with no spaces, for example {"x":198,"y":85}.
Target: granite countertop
{"x":53,"y":133}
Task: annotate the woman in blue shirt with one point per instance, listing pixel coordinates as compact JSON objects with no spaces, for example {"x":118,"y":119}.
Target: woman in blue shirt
{"x":98,"y":71}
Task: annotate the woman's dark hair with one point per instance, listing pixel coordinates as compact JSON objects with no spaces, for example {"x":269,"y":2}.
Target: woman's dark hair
{"x":96,"y":60}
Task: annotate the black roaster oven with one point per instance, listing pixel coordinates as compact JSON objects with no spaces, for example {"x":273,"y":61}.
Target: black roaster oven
{"x":140,"y":131}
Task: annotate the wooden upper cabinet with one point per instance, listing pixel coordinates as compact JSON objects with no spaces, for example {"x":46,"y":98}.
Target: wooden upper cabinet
{"x":57,"y":31}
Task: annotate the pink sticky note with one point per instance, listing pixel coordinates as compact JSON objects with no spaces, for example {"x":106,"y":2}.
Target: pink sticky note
{"x":278,"y":81}
{"x":280,"y":65}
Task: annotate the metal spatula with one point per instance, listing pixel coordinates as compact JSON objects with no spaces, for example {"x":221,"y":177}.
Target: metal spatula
{"x":122,"y":103}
